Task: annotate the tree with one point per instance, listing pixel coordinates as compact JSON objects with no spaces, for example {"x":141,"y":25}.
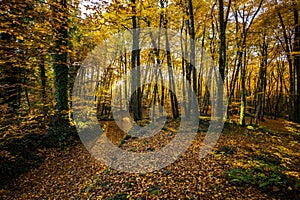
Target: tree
{"x":60,"y":57}
{"x":136,"y":104}
{"x":223,"y":19}
{"x":222,"y":57}
{"x":297,"y":64}
{"x":247,"y":20}
{"x":174,"y":103}
{"x":291,"y":48}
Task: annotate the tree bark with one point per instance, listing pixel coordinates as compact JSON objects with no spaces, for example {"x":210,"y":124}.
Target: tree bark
{"x":61,"y":69}
{"x":136,"y":104}
{"x":246,"y":27}
{"x":288,"y":50}
{"x":297,"y":65}
{"x":222,"y":55}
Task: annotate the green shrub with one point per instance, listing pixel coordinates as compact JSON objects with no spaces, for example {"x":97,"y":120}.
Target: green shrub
{"x":264,"y":176}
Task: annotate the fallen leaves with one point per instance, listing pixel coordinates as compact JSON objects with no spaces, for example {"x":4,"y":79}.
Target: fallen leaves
{"x":73,"y":173}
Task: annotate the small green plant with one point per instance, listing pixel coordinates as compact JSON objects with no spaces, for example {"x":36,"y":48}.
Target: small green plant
{"x":120,"y":196}
{"x":264,"y":176}
{"x":127,"y":137}
{"x":153,"y":190}
{"x":150,"y":149}
{"x":133,"y":149}
{"x":92,"y":186}
{"x":226,"y":150}
{"x":104,"y":184}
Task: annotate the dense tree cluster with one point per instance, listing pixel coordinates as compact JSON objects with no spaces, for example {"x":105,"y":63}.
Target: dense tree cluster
{"x":255,"y":45}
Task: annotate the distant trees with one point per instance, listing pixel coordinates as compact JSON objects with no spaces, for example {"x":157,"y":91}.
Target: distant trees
{"x":35,"y":53}
{"x":255,"y":45}
{"x":290,"y":44}
{"x":13,"y":51}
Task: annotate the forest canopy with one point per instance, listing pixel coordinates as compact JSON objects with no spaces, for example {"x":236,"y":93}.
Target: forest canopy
{"x":254,"y":45}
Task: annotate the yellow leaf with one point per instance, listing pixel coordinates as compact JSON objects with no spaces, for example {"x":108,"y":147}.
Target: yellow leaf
{"x":20,"y":37}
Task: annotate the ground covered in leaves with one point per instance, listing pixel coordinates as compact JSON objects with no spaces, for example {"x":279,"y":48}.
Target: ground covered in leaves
{"x":247,"y":163}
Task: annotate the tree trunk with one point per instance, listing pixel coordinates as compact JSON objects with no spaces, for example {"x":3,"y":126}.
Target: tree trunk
{"x":43,"y":84}
{"x":222,"y":55}
{"x":297,"y":65}
{"x":279,"y":93}
{"x":192,"y":69}
{"x":237,"y":64}
{"x":246,"y":27}
{"x":243,"y":96}
{"x":174,"y":103}
{"x":61,"y":69}
{"x":136,"y":104}
{"x":287,"y":50}
{"x":156,"y":47}
{"x":261,"y":80}
{"x":183,"y":65}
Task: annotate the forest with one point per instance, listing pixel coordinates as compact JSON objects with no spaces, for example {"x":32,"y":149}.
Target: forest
{"x":144,"y":99}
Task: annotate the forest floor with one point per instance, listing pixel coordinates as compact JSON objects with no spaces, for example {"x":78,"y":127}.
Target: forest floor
{"x":246,"y":163}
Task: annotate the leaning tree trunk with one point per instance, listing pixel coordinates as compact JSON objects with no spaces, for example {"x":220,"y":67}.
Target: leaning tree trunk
{"x":243,"y":95}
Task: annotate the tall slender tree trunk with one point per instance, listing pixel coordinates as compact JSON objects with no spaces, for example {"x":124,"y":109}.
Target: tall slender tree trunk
{"x":222,"y":56}
{"x":183,"y":65}
{"x":157,"y":63}
{"x":136,"y":104}
{"x":236,"y":70}
{"x":61,"y":69}
{"x":174,"y":103}
{"x":288,"y":51}
{"x":297,"y":65}
{"x":192,"y":69}
{"x":246,"y":26}
{"x":280,"y":85}
{"x":223,"y":23}
{"x":261,"y":81}
{"x":43,"y":83}
{"x":172,"y":88}
{"x":243,"y":94}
